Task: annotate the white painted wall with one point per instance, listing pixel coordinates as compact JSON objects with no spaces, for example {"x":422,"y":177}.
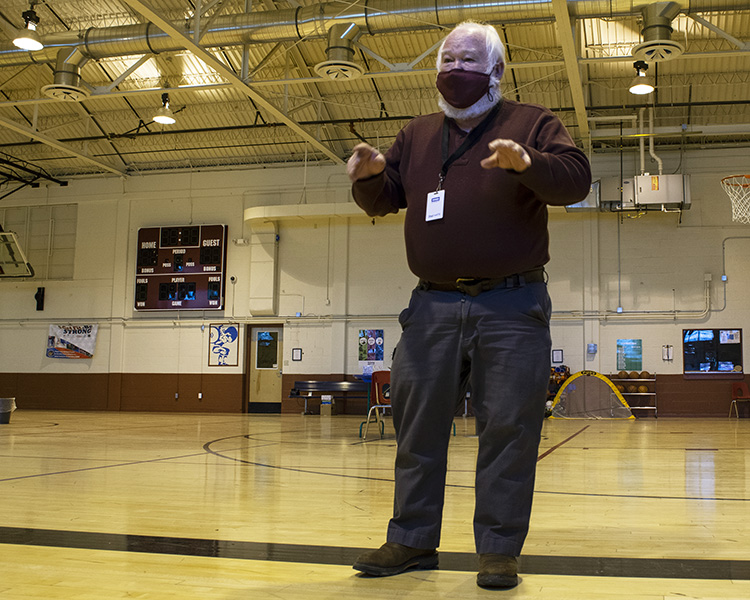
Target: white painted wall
{"x":343,"y":274}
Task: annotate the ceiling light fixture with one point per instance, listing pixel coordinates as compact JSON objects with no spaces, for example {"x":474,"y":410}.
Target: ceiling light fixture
{"x":28,"y":38}
{"x":164,"y":115}
{"x":642,"y":84}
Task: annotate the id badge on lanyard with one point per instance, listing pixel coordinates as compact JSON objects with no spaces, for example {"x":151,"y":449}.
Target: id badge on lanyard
{"x":435,"y":205}
{"x":436,"y":200}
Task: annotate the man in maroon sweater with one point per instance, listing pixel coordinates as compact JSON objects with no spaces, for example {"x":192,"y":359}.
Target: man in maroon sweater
{"x":477,"y":179}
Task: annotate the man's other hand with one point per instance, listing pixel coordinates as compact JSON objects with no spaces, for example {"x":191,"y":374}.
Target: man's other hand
{"x":507,"y":154}
{"x":364,"y":162}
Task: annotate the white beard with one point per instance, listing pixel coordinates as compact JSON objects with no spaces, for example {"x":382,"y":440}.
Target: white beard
{"x":480,"y":107}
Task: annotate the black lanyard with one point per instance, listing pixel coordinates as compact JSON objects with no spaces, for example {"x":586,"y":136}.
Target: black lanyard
{"x":469,"y":142}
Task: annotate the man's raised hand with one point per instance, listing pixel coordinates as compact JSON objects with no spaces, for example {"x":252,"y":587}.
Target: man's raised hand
{"x":507,"y":154}
{"x":364,"y":162}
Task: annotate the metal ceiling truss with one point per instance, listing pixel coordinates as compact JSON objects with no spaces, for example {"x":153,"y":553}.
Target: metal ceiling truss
{"x":566,"y":37}
{"x":745,"y":46}
{"x":230,"y":76}
{"x":212,"y":28}
{"x":276,"y":133}
{"x":19,"y":171}
{"x":64,"y":148}
{"x":199,"y":82}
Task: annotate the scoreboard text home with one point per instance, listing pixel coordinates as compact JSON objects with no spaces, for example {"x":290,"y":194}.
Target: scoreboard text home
{"x":181,"y":268}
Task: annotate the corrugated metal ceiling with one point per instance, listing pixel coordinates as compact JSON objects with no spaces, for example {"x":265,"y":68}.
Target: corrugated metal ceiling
{"x":220,"y":124}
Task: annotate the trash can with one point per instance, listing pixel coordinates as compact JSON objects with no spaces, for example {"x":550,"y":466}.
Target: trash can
{"x":326,"y":405}
{"x":7,"y":406}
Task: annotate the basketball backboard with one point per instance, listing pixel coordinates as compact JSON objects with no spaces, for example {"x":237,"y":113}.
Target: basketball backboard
{"x":12,"y":260}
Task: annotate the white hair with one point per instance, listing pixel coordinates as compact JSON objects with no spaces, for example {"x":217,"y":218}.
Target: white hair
{"x":493,"y":43}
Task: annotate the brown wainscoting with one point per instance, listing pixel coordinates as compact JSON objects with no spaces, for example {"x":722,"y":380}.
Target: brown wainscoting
{"x":676,"y":396}
{"x":125,"y":391}
{"x":680,"y":397}
{"x":347,"y":406}
{"x":179,"y":393}
{"x":57,"y":391}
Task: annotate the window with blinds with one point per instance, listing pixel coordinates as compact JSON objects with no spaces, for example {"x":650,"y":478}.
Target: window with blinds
{"x":47,"y":235}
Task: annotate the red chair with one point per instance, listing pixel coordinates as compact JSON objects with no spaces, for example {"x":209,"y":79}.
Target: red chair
{"x":381,"y":385}
{"x":381,"y":394}
{"x":740,"y":393}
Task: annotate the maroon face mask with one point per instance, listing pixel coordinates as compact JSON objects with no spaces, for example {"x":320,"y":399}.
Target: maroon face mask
{"x":462,"y":88}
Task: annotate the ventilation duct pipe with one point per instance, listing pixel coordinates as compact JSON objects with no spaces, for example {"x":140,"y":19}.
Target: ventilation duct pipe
{"x":372,"y":17}
{"x":340,"y":52}
{"x":657,"y":44}
{"x":657,"y":20}
{"x":67,"y":79}
{"x":651,"y":151}
{"x":641,"y":141}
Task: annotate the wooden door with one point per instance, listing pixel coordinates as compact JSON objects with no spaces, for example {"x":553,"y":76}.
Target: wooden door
{"x":264,"y":368}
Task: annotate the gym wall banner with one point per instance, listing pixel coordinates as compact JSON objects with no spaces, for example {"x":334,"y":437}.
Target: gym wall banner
{"x":370,"y":345}
{"x":223,"y":345}
{"x":629,"y":355}
{"x":71,"y":341}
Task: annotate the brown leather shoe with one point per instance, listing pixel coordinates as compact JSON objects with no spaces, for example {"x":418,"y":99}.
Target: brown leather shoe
{"x":497,"y":571}
{"x":392,"y":559}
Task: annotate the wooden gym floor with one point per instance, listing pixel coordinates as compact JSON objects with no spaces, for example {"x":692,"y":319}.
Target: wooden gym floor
{"x":175,"y":506}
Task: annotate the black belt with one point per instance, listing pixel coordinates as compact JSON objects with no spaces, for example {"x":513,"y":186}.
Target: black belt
{"x":476,"y":286}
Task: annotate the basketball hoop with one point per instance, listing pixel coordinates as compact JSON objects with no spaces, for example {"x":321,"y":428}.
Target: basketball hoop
{"x":737,"y":188}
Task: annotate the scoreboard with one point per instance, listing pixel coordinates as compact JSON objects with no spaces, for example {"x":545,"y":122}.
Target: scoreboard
{"x":181,"y":268}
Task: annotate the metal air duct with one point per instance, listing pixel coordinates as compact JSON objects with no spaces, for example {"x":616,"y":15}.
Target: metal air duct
{"x":340,"y":53}
{"x":372,"y":17}
{"x":67,"y":81}
{"x":657,"y":44}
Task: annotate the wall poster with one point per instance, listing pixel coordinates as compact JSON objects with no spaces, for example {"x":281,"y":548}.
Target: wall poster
{"x":223,"y":345}
{"x":370,"y":345}
{"x":629,"y":355}
{"x":71,"y":341}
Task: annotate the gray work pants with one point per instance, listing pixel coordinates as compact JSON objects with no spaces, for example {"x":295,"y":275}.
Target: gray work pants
{"x":499,"y":343}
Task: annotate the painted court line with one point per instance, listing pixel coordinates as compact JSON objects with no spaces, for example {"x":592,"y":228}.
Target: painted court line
{"x":582,"y":566}
{"x":565,"y":441}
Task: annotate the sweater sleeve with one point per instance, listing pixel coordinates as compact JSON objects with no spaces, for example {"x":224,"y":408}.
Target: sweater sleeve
{"x":560,"y":173}
{"x":382,"y":194}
